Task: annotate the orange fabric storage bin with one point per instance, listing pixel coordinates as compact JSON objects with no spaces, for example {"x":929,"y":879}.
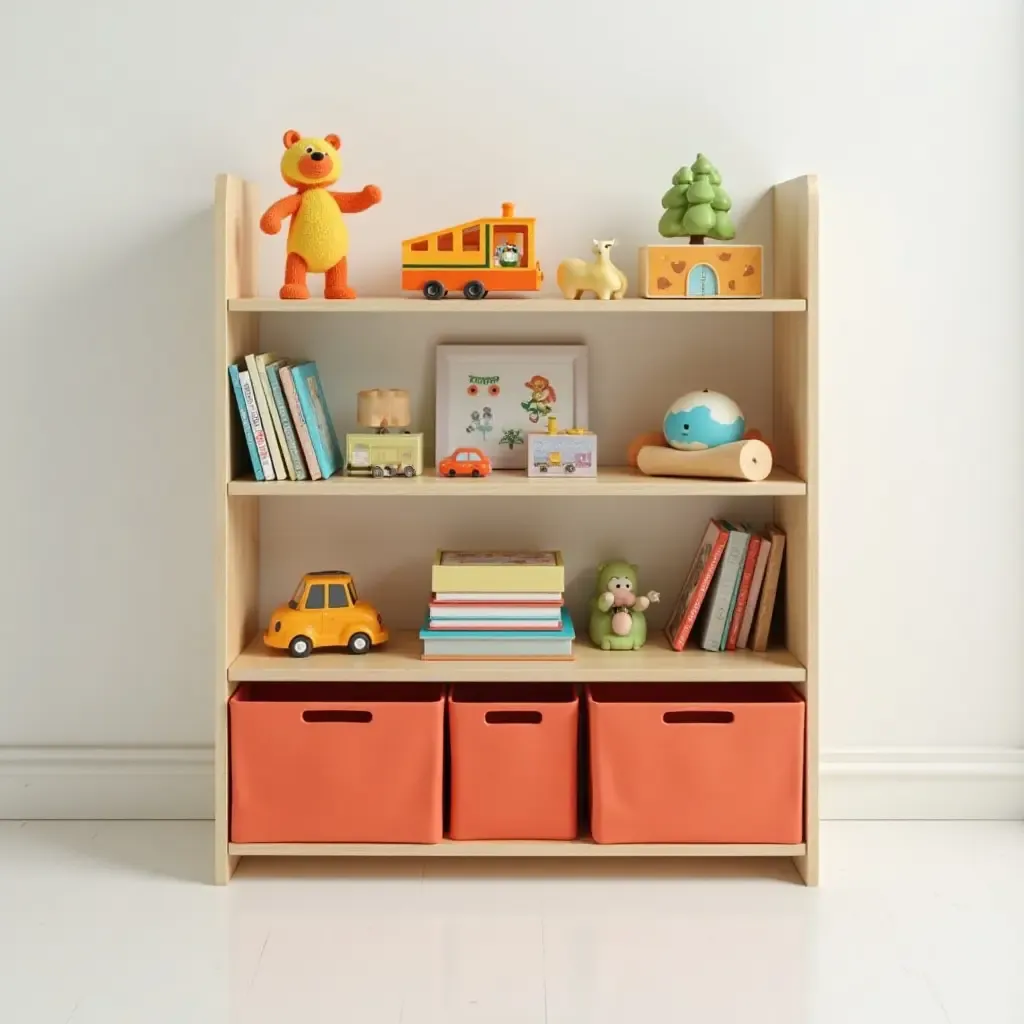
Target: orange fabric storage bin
{"x":700,"y":763}
{"x":513,"y":761}
{"x":336,"y":763}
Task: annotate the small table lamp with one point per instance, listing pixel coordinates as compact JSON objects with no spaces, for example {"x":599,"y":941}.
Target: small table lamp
{"x":383,"y":408}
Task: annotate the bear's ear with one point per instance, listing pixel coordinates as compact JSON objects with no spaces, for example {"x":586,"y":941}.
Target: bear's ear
{"x":333,"y":140}
{"x":601,"y":568}
{"x":290,"y":138}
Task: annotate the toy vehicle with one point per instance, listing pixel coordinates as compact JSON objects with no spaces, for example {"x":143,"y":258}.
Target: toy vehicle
{"x":561,"y":452}
{"x":492,"y":254}
{"x":384,"y":454}
{"x":325,"y":611}
{"x":465,"y":462}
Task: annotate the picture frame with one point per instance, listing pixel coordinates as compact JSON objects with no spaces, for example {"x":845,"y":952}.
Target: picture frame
{"x":492,"y":396}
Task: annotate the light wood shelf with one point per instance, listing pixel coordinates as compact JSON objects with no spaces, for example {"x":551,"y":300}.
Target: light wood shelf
{"x":399,"y":661}
{"x":519,"y":848}
{"x":417,"y":304}
{"x":793,"y":382}
{"x":615,"y":481}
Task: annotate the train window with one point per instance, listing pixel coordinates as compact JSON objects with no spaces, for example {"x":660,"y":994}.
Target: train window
{"x":420,"y":246}
{"x":445,"y":242}
{"x":471,"y":239}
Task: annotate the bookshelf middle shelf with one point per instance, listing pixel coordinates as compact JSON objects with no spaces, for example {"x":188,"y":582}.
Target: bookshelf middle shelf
{"x":399,"y":661}
{"x":610,"y":482}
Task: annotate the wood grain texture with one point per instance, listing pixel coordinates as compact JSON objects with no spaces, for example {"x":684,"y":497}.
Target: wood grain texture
{"x":517,"y":848}
{"x":795,"y":441}
{"x":748,"y":460}
{"x":563,"y":307}
{"x":236,"y":545}
{"x":399,"y":661}
{"x":614,"y":481}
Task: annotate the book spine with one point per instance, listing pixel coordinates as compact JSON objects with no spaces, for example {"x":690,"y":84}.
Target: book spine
{"x":318,"y":435}
{"x":256,"y":423}
{"x":744,"y":540}
{"x":243,"y":415}
{"x":291,"y":443}
{"x":260,"y":394}
{"x":744,"y":593}
{"x":301,"y":427}
{"x":728,"y":572}
{"x":755,"y":592}
{"x":769,"y":591}
{"x":682,"y":634}
{"x":263,"y":368}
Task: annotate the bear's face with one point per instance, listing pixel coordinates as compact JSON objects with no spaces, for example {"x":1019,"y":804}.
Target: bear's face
{"x":310,"y":162}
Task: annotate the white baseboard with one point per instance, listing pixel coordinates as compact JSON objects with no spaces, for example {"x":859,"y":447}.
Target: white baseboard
{"x":177,"y":783}
{"x":926,"y":783}
{"x":106,"y":782}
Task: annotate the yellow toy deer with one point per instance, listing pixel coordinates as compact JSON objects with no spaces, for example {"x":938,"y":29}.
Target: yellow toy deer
{"x":601,"y":277}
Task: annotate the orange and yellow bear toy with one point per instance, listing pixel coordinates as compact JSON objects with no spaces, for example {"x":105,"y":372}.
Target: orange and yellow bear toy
{"x":317,"y":237}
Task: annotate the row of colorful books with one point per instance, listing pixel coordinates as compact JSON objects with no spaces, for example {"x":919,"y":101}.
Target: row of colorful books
{"x":285,"y":419}
{"x":729,"y":595}
{"x":497,"y":606}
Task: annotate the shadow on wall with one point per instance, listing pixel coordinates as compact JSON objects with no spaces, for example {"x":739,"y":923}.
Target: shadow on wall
{"x":114,"y":423}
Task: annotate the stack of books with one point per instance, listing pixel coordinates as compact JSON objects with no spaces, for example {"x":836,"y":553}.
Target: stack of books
{"x":285,"y":419}
{"x":728,"y":598}
{"x":498,"y":605}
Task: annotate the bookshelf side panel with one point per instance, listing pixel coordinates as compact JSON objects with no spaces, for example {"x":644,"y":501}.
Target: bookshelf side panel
{"x":236,"y":523}
{"x":795,"y":440}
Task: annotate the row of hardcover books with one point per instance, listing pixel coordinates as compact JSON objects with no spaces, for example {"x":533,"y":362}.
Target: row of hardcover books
{"x":729,"y":595}
{"x":287,"y":425}
{"x":497,"y":606}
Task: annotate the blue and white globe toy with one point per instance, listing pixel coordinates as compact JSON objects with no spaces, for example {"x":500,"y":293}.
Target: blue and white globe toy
{"x":703,"y":419}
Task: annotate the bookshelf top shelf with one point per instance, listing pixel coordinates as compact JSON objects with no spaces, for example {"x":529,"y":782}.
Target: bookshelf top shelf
{"x":510,"y":483}
{"x":400,"y":661}
{"x":415,"y":304}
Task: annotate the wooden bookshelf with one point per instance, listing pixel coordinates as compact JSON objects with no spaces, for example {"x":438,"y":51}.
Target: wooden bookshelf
{"x":519,"y":848}
{"x":790,"y":492}
{"x":399,"y":661}
{"x":612,"y":482}
{"x":559,"y":306}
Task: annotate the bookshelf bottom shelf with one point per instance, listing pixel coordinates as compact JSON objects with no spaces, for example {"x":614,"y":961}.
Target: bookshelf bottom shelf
{"x":518,"y":848}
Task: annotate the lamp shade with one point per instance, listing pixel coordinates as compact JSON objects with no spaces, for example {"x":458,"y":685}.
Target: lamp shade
{"x":383,"y":407}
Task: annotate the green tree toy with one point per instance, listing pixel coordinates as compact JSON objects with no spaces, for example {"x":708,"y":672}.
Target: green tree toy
{"x":697,"y":205}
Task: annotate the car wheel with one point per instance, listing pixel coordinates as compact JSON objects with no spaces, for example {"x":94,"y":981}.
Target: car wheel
{"x":451,"y":472}
{"x":300,"y":647}
{"x":434,"y":290}
{"x":476,"y":472}
{"x":359,"y":643}
{"x":474,"y":290}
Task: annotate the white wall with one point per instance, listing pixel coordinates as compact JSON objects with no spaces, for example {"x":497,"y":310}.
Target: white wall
{"x":118,"y":115}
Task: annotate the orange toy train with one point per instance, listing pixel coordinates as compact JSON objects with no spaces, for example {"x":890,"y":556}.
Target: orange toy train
{"x":495,"y":254}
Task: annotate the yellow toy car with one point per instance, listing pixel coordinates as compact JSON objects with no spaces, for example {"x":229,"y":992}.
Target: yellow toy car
{"x":325,"y":611}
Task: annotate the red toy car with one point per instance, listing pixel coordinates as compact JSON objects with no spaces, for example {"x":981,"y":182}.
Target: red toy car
{"x":465,"y":462}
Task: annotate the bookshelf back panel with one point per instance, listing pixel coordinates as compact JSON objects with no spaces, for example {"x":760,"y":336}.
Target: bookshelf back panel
{"x":389,"y":545}
{"x":637,"y":365}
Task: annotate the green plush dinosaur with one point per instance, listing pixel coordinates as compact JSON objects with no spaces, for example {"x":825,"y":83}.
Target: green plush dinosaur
{"x":617,"y":620}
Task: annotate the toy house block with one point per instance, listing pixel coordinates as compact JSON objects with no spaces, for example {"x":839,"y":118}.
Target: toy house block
{"x":700,"y":271}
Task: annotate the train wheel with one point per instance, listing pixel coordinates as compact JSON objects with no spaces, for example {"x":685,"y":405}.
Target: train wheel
{"x":434,"y":290}
{"x":409,"y":471}
{"x":474,"y":290}
{"x":377,"y":471}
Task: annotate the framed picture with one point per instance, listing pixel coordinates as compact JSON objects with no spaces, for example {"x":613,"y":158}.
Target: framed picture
{"x":491,"y":396}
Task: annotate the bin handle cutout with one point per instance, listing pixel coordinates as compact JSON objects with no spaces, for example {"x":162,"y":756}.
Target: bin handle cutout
{"x":513,"y":718}
{"x":337,"y":716}
{"x":698,"y":717}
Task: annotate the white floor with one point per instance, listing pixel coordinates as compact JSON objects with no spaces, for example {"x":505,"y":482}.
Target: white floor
{"x":109,"y":922}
